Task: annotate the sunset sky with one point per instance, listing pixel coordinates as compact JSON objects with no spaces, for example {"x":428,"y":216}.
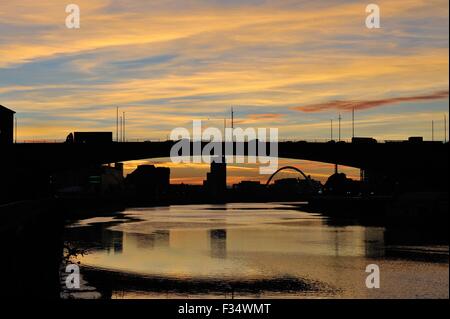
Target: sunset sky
{"x":290,"y":64}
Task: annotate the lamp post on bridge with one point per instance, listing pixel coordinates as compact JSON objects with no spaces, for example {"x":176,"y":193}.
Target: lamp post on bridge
{"x":331,"y":130}
{"x":340,"y":118}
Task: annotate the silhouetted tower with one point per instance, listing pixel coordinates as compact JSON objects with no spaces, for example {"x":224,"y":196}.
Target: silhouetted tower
{"x":432,"y":131}
{"x":216,"y":179}
{"x":340,"y":118}
{"x":331,"y":130}
{"x":123,"y":127}
{"x":232,"y":118}
{"x":353,"y":122}
{"x":120,"y":128}
{"x":117,"y":124}
{"x":445,"y":128}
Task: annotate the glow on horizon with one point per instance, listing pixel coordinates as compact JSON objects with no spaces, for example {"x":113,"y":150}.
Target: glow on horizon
{"x":195,"y":173}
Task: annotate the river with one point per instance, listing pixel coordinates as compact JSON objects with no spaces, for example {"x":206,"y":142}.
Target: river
{"x":263,"y":250}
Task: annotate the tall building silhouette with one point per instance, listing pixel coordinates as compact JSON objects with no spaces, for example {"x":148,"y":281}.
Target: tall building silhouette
{"x":6,"y":125}
{"x":216,"y":179}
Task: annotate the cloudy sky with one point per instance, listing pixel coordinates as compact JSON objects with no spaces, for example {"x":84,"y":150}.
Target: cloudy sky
{"x":290,"y":64}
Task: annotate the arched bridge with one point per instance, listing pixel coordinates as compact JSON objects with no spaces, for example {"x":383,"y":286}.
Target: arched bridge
{"x":288,"y":168}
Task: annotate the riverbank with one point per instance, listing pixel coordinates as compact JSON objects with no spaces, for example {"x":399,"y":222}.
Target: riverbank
{"x":409,"y":209}
{"x":32,"y":234}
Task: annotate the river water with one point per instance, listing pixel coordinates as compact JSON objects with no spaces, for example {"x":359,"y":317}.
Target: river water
{"x":263,"y":250}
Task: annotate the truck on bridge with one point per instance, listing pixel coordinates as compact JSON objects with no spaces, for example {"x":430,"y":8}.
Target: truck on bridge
{"x":90,"y":138}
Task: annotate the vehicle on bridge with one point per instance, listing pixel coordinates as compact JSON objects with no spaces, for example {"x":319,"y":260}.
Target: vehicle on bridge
{"x":90,"y":138}
{"x":364,"y":140}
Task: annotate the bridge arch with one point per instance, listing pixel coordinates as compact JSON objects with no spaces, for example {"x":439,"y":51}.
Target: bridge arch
{"x":293,"y":169}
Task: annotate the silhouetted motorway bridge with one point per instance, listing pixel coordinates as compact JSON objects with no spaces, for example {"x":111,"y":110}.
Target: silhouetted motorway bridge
{"x":390,"y":158}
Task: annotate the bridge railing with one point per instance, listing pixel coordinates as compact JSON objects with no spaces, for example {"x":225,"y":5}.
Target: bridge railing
{"x":282,"y":140}
{"x":40,"y":141}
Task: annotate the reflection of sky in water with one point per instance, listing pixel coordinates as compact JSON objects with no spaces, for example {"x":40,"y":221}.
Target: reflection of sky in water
{"x":183,"y":241}
{"x":248,"y":241}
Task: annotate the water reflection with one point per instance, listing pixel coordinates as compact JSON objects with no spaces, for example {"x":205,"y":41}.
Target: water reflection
{"x":159,"y":238}
{"x":218,"y":239}
{"x":196,"y":249}
{"x":114,"y":241}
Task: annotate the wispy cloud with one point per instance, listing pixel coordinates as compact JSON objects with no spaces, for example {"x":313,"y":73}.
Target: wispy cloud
{"x":362,"y":105}
{"x":264,"y":116}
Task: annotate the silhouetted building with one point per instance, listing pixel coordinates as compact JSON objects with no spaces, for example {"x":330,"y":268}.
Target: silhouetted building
{"x":6,"y":125}
{"x":286,"y":188}
{"x":380,"y":183}
{"x":296,"y":186}
{"x":249,"y":187}
{"x":149,"y":182}
{"x":90,"y":137}
{"x":216,"y":179}
{"x":249,"y":191}
{"x":111,"y":179}
{"x":339,"y":184}
{"x":315,"y":185}
{"x":102,"y":180}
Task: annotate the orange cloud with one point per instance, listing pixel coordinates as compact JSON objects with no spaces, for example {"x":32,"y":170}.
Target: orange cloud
{"x":264,"y":116}
{"x":361,"y":105}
